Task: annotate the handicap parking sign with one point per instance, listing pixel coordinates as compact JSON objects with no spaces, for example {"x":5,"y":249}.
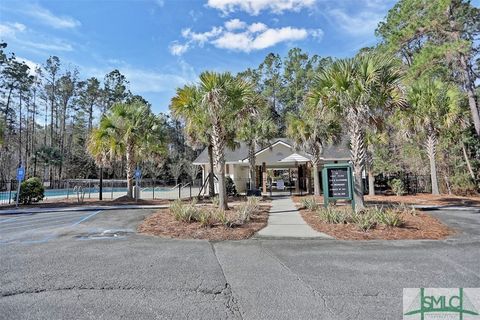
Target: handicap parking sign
{"x":138,"y":173}
{"x":20,"y":173}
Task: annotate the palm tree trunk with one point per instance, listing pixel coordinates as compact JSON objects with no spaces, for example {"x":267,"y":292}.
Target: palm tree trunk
{"x":130,"y":168}
{"x":357,"y":149}
{"x":431,"y":151}
{"x":219,"y":155}
{"x":211,"y":180}
{"x":252,"y":165}
{"x":371,"y":183}
{"x":316,"y":176}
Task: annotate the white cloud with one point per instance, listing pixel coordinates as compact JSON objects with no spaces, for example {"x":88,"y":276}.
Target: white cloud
{"x":234,"y":41}
{"x":361,"y":23}
{"x":235,"y":24}
{"x":239,"y":36}
{"x":201,"y":38}
{"x":271,"y":37}
{"x":52,"y":45}
{"x":47,"y":17}
{"x":9,"y":30}
{"x":257,"y":27}
{"x":28,"y":38}
{"x":177,"y":49}
{"x":254,"y":7}
{"x":317,"y":34}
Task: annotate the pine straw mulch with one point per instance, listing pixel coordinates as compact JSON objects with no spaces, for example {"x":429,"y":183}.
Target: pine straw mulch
{"x":418,"y":199}
{"x":418,"y":226}
{"x":163,"y":224}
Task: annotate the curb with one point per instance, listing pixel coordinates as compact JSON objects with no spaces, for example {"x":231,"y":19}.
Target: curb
{"x":70,"y":209}
{"x":446,"y":208}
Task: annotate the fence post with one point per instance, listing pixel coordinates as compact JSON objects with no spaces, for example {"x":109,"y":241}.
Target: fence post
{"x":111,"y":185}
{"x":179,"y":191}
{"x":89,"y":189}
{"x":191,"y":189}
{"x":68,"y":190}
{"x":153,"y":188}
{"x":10,"y":192}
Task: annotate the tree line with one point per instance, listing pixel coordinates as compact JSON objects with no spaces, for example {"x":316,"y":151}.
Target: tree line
{"x":48,"y":114}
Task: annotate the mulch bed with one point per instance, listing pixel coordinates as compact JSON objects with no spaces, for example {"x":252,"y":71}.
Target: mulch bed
{"x":163,"y":224}
{"x":419,"y":199}
{"x":418,"y":226}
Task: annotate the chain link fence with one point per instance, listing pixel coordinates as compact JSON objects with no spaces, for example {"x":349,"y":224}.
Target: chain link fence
{"x":150,"y":189}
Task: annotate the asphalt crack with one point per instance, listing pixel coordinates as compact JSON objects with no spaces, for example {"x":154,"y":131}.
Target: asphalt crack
{"x":231,"y":303}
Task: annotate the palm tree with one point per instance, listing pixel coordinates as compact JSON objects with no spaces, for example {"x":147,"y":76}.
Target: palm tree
{"x":358,"y":86}
{"x":187,"y":105}
{"x":315,"y":126}
{"x":224,"y":99}
{"x":127,"y":131}
{"x":256,"y":129}
{"x":434,"y":105}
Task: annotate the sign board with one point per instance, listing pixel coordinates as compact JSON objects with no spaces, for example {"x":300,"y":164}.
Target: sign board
{"x":337,"y":182}
{"x":20,"y":173}
{"x":138,"y":173}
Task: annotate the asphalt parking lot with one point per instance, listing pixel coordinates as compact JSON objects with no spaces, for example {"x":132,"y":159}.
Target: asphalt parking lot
{"x":91,"y":265}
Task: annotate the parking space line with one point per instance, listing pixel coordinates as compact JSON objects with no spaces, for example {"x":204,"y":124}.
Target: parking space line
{"x":38,"y":222}
{"x":10,"y":219}
{"x":61,"y":221}
{"x":86,"y":218}
{"x":39,"y":219}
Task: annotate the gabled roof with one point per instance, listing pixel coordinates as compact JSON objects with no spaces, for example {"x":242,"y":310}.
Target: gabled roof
{"x":240,"y":153}
{"x":294,"y":158}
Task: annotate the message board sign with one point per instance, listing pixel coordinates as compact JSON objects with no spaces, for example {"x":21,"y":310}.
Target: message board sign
{"x":337,"y":182}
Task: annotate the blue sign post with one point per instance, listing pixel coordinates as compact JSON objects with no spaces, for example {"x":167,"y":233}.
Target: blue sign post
{"x":20,"y":177}
{"x":138,"y":174}
{"x":20,"y":173}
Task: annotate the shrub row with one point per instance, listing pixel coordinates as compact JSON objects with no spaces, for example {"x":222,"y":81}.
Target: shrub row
{"x":364,"y":220}
{"x":207,"y":217}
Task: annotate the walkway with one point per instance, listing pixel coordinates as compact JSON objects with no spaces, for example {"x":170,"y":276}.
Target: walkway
{"x":285,"y":221}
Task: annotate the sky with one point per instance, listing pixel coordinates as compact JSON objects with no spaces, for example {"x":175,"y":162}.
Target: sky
{"x":160,"y":45}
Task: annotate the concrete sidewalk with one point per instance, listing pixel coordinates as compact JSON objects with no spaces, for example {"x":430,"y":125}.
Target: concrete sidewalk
{"x":285,"y":221}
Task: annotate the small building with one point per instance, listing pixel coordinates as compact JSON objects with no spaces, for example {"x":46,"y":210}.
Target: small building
{"x":279,"y":166}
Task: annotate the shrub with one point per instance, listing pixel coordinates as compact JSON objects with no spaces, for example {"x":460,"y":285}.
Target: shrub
{"x":387,"y":217}
{"x":184,"y":212}
{"x":364,"y":220}
{"x":230,"y":186}
{"x":333,"y":215}
{"x":310,"y":203}
{"x":397,"y":186}
{"x":206,"y":218}
{"x":407,"y":209}
{"x":221,"y":217}
{"x":216,"y":201}
{"x":244,"y":212}
{"x":463,"y":184}
{"x":31,"y":190}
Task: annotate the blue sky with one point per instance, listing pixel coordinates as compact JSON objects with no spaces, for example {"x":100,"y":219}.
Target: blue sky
{"x":160,"y":44}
